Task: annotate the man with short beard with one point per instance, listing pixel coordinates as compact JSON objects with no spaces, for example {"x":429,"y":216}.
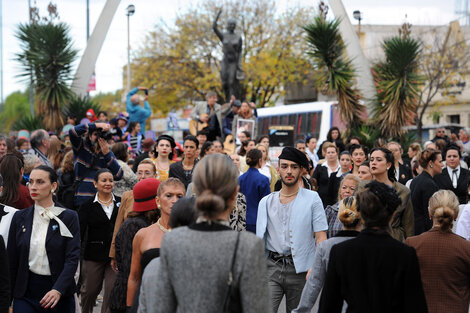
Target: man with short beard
{"x":291,"y":222}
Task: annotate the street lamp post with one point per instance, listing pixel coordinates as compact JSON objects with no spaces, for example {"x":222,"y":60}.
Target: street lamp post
{"x":130,"y":11}
{"x":358,"y":16}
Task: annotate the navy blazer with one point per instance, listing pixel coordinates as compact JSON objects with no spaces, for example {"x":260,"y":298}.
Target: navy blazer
{"x":254,"y":186}
{"x":63,"y":253}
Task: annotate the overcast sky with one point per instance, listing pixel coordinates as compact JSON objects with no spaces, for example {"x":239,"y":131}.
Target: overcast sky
{"x":113,"y":55}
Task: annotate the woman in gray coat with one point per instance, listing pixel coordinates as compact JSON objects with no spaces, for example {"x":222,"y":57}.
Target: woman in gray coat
{"x":198,"y":262}
{"x":351,"y":220}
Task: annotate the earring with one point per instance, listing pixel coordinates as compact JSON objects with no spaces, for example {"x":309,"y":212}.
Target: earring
{"x":159,"y":207}
{"x":52,"y":190}
{"x":388,"y":168}
{"x":430,"y":166}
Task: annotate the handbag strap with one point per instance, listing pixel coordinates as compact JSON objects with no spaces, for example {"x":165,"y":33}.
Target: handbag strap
{"x":230,"y":275}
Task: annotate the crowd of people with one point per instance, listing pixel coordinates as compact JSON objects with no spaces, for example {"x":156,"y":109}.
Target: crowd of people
{"x":153,"y":225}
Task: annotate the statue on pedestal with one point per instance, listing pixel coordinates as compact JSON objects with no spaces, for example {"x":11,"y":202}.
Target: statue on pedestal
{"x":231,"y":66}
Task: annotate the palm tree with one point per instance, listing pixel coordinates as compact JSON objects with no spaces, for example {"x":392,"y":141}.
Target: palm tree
{"x":46,"y":58}
{"x":327,"y":50}
{"x":397,"y":83}
{"x":77,"y":106}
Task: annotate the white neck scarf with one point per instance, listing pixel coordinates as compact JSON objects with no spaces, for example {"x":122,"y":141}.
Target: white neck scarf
{"x":52,"y":213}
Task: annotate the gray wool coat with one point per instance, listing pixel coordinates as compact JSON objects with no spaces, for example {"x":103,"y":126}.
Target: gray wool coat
{"x":194,"y":266}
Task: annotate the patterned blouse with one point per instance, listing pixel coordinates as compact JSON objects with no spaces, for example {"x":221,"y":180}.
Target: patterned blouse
{"x":334,"y":224}
{"x":237,"y":219}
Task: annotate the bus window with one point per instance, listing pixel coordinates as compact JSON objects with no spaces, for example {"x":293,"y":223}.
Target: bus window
{"x":303,"y":126}
{"x":313,"y":126}
{"x":292,"y":119}
{"x":263,"y":126}
{"x":275,"y":120}
{"x":284,"y":120}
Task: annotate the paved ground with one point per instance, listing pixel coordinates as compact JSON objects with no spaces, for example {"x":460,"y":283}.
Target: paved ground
{"x":282,"y":307}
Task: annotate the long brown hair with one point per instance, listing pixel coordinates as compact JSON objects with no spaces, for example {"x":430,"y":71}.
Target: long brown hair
{"x":10,"y":168}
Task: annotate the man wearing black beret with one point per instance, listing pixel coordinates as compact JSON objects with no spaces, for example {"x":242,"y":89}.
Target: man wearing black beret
{"x":291,"y":222}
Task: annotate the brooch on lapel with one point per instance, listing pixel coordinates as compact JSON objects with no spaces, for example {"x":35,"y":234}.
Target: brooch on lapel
{"x":54,"y":227}
{"x":118,"y":204}
{"x":24,"y":229}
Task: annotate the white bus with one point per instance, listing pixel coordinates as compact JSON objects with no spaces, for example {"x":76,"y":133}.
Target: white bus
{"x":313,"y":118}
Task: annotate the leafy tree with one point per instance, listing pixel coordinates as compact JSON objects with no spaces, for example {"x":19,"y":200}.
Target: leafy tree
{"x":444,"y":64}
{"x":46,"y":60}
{"x":397,"y":83}
{"x":181,"y":63}
{"x":327,"y":50}
{"x":28,"y":122}
{"x":16,"y":106}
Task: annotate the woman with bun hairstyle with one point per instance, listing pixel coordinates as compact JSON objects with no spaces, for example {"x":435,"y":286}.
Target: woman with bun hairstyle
{"x":196,"y":261}
{"x":350,"y":218}
{"x":383,"y":170}
{"x":423,"y":187}
{"x":374,"y":272}
{"x":43,"y":250}
{"x":347,"y":188}
{"x":443,"y":258}
{"x":254,"y":186}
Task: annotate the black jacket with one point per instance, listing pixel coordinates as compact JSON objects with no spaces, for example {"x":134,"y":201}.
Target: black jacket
{"x":422,"y":188}
{"x":373,"y":273}
{"x":404,"y":173}
{"x":66,"y":191}
{"x":443,"y":181}
{"x":97,"y":229}
{"x":321,"y":175}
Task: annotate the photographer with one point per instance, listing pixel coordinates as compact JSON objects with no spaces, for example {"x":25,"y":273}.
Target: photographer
{"x":136,"y":112}
{"x":91,"y":154}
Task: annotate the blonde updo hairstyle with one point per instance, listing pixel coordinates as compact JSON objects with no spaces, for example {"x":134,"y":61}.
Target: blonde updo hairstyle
{"x":215,"y":180}
{"x":444,"y":208}
{"x":347,"y":213}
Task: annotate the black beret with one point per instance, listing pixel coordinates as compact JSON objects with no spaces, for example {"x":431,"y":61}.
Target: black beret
{"x":294,"y":155}
{"x":168,"y":138}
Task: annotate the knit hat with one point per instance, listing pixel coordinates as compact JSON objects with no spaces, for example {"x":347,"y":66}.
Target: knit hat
{"x":294,"y":155}
{"x":145,"y":193}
